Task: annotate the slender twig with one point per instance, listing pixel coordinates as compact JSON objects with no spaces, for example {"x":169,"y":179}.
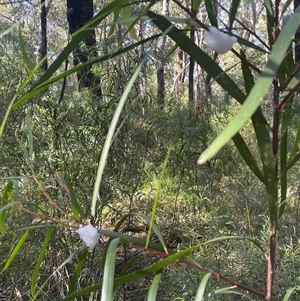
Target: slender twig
{"x":214,"y":274}
{"x":289,"y":78}
{"x":285,"y":101}
{"x":43,"y":217}
{"x":246,"y":28}
{"x":192,"y":15}
{"x":245,"y":61}
{"x":42,"y":188}
{"x":271,"y":264}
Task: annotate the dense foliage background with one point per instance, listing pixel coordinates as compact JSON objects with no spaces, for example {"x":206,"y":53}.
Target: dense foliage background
{"x":106,"y":109}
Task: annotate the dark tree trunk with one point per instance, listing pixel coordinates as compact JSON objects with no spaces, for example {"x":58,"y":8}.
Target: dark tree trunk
{"x":297,"y":37}
{"x":43,"y":36}
{"x":160,"y":71}
{"x":192,"y":61}
{"x":79,"y":13}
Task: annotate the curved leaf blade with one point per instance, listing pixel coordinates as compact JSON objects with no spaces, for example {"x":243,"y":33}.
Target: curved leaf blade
{"x":40,"y":260}
{"x":16,"y":249}
{"x":109,"y":271}
{"x":154,"y":287}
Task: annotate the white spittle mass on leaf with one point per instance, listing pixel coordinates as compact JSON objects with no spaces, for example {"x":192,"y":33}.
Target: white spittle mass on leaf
{"x":90,"y":236}
{"x":218,"y":41}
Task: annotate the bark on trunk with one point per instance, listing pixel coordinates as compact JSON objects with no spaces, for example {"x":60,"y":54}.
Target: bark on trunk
{"x":43,"y":36}
{"x":79,"y":13}
{"x":192,"y":61}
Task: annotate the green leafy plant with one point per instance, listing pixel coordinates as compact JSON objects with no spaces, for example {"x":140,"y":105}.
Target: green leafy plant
{"x":276,"y":144}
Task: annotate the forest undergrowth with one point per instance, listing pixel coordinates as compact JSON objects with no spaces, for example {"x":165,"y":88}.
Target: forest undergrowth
{"x":196,"y":204}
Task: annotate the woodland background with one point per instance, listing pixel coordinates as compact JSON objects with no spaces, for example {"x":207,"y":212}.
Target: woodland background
{"x":52,"y":141}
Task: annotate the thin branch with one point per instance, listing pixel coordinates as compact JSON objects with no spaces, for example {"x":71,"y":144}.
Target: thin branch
{"x":191,"y":15}
{"x":214,"y":274}
{"x":289,"y":78}
{"x":285,"y":101}
{"x":246,"y":28}
{"x":245,"y":61}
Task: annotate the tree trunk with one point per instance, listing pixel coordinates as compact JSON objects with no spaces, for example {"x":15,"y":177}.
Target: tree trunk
{"x":160,"y":71}
{"x":79,"y":13}
{"x":43,"y":36}
{"x":297,"y":37}
{"x":192,"y":61}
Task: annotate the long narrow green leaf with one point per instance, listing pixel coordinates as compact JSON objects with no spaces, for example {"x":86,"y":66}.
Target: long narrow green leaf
{"x":157,"y":197}
{"x":209,"y":5}
{"x":128,"y":16}
{"x":5,"y":204}
{"x":16,"y":249}
{"x":72,"y":255}
{"x":253,"y":7}
{"x":289,"y":293}
{"x":292,"y":162}
{"x":269,"y":7}
{"x":247,"y":43}
{"x":233,"y":11}
{"x":110,"y":134}
{"x":130,"y":263}
{"x":29,"y":132}
{"x":270,"y":21}
{"x":116,"y":229}
{"x":286,"y":5}
{"x":258,"y":92}
{"x":230,"y":290}
{"x":201,"y":289}
{"x":116,"y":18}
{"x":40,"y":260}
{"x":66,"y":185}
{"x":9,"y":109}
{"x":196,"y":5}
{"x":154,"y":286}
{"x":247,"y":74}
{"x":78,"y":270}
{"x":109,"y":271}
{"x":247,"y":156}
{"x":283,"y":177}
{"x":26,"y":59}
{"x":154,"y":227}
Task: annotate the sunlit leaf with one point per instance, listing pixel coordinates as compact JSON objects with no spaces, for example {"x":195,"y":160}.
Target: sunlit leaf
{"x":26,"y":59}
{"x":40,"y":260}
{"x":154,"y":287}
{"x":5,"y":204}
{"x":129,"y":24}
{"x":109,"y":271}
{"x":156,"y":200}
{"x":16,"y":249}
{"x":211,"y":13}
{"x":289,"y":293}
{"x":201,"y":288}
{"x":67,"y":187}
{"x":233,"y":11}
{"x":78,"y":271}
